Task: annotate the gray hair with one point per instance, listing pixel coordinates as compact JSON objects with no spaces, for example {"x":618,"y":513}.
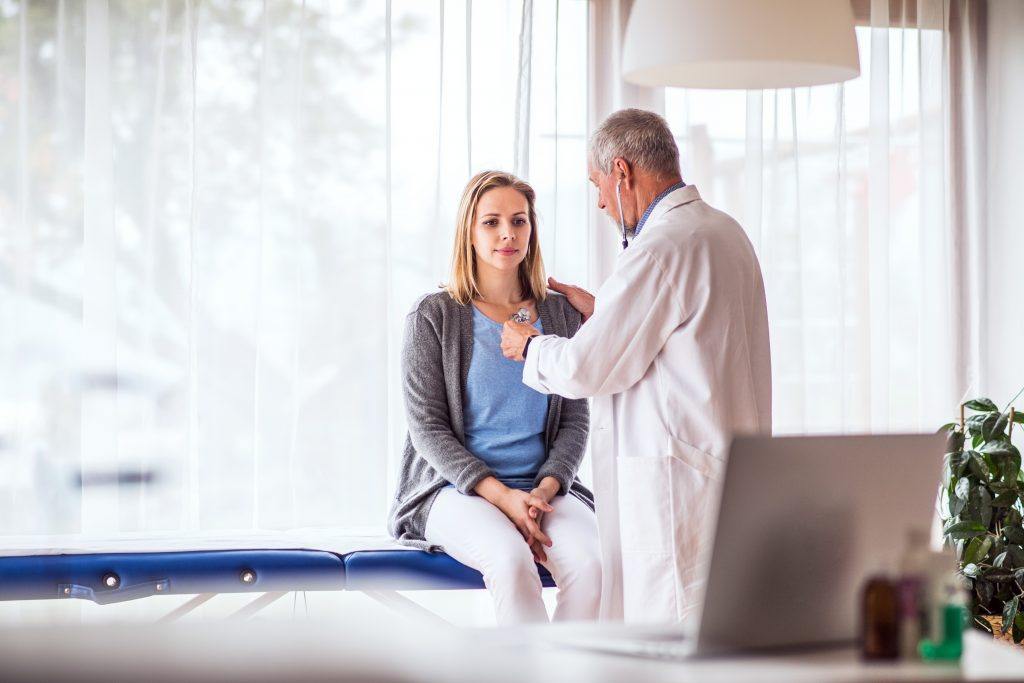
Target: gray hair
{"x":640,"y":137}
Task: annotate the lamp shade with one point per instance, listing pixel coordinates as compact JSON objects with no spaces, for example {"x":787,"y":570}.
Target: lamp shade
{"x":740,"y":44}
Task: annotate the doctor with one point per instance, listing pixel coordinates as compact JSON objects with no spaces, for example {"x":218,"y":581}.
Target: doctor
{"x":674,"y":350}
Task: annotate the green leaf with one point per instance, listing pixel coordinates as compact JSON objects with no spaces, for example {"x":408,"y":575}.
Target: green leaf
{"x":1018,"y":417}
{"x":1014,"y":533}
{"x":1004,"y":456}
{"x":977,"y":440}
{"x":972,"y":570}
{"x":994,"y":426}
{"x":977,"y":465}
{"x":957,"y":464}
{"x":986,"y":546}
{"x":974,"y":424}
{"x":1018,"y":628}
{"x":985,"y":505}
{"x":971,"y":554}
{"x":1010,"y":613}
{"x":1011,"y":469}
{"x":998,"y":546}
{"x":1013,"y":516}
{"x":984,"y":590}
{"x":964,"y":530}
{"x":963,"y":489}
{"x":977,"y":550}
{"x":1004,"y":499}
{"x":1011,"y":558}
{"x":997,"y":448}
{"x":981,"y":405}
{"x":956,"y":506}
{"x":979,"y":506}
{"x":999,"y":430}
{"x":955,"y":441}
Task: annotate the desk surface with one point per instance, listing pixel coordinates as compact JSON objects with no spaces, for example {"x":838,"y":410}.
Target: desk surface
{"x":384,"y":650}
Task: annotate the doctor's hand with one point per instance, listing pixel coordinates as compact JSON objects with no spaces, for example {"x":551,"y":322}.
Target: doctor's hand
{"x":513,"y":338}
{"x":581,"y":299}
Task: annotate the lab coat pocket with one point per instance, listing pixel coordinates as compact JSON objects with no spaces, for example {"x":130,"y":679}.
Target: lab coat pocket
{"x":705,"y":464}
{"x":696,"y":477}
{"x":657,"y":494}
{"x":645,"y":512}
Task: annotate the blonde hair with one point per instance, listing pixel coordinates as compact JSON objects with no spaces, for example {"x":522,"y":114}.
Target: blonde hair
{"x":462,"y":284}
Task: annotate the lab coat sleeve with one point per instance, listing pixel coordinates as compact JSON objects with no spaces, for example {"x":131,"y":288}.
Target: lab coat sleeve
{"x":570,"y":442}
{"x":426,"y":406}
{"x":635,"y":312}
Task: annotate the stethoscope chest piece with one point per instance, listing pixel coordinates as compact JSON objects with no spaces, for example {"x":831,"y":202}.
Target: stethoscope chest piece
{"x":521,"y":316}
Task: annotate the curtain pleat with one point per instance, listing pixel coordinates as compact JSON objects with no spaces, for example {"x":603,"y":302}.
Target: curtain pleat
{"x":190,"y":505}
{"x":878,"y":235}
{"x":99,"y":274}
{"x":522,"y":127}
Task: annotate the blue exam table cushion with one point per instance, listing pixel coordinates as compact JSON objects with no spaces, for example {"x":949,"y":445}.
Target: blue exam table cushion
{"x":115,"y":570}
{"x":413,"y":570}
{"x":115,"y":577}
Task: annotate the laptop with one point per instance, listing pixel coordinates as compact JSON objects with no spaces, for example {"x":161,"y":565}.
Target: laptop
{"x":802,"y":521}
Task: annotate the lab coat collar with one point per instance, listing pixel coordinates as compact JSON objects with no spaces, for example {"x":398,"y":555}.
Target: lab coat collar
{"x":684,"y":195}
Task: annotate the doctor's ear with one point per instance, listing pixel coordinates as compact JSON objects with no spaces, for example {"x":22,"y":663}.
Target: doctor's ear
{"x":622,"y":171}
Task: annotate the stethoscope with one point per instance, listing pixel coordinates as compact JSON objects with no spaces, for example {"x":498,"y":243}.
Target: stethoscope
{"x":622,"y":217}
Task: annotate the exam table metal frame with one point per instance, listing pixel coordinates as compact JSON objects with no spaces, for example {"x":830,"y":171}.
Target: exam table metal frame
{"x":111,"y":577}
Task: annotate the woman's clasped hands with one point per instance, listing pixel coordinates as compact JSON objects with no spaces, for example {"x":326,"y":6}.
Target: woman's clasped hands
{"x":526,"y":510}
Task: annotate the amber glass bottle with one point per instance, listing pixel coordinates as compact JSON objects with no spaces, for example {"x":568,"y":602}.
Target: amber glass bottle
{"x":880,"y":619}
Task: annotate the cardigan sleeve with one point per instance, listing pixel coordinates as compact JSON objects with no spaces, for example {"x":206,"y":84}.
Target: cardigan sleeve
{"x":426,"y":406}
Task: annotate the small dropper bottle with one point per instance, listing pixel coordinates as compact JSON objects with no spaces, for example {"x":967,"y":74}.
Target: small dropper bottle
{"x":880,"y":618}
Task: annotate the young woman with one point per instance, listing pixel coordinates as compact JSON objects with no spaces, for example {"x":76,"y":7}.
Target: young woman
{"x":489,"y":469}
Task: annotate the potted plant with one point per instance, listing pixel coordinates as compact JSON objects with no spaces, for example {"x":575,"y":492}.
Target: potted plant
{"x":982,"y":510}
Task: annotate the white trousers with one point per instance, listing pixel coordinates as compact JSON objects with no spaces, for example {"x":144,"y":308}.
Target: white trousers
{"x":479,"y":535}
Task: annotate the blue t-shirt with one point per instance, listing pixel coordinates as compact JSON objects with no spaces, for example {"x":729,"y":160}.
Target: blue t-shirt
{"x":505,"y":419}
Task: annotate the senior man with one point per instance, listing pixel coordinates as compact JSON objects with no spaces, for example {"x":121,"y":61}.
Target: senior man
{"x":675,"y":353}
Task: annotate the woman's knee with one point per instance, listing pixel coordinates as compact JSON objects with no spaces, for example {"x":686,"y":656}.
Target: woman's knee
{"x":579,"y":568}
{"x":512,"y":568}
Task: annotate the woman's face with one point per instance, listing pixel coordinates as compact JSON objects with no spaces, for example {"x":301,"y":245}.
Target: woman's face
{"x":501,"y":229}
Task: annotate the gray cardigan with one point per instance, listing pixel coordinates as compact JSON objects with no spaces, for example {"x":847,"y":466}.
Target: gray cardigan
{"x":436,"y":353}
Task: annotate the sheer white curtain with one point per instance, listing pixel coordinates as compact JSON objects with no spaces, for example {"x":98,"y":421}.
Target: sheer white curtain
{"x":862,"y":209}
{"x":214,"y":216}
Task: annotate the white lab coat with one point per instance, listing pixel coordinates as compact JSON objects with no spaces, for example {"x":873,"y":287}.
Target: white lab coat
{"x":676,"y":357}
